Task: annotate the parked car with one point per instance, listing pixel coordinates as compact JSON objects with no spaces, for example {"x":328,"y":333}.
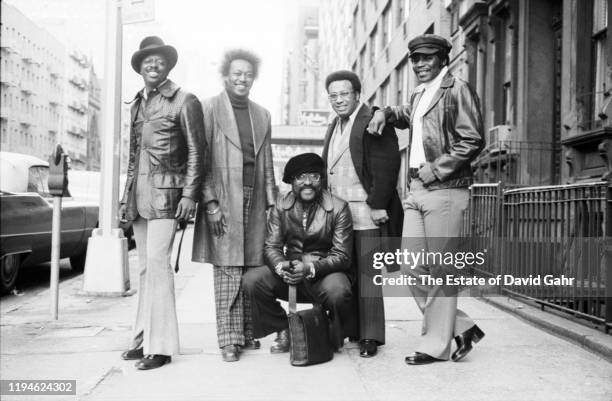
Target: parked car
{"x":26,"y":215}
{"x":85,"y":186}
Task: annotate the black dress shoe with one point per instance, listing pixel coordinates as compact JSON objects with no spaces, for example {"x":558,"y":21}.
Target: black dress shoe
{"x":132,"y":354}
{"x":281,"y":343}
{"x":368,"y":348}
{"x":230,"y":353}
{"x":251,"y":343}
{"x":153,"y":361}
{"x":464,"y":342}
{"x":421,"y":359}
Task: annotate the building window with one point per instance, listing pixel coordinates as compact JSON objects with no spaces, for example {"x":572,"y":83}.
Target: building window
{"x":384,"y":93}
{"x":454,"y":18}
{"x":504,"y":69}
{"x":402,"y":82}
{"x":362,"y":62}
{"x":3,"y":136}
{"x":363,"y":14}
{"x":599,"y":40}
{"x":373,"y":47}
{"x":387,"y":26}
{"x":354,"y":27}
{"x":403,"y":9}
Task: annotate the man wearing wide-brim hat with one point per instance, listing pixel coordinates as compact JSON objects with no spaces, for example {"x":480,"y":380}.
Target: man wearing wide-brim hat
{"x":446,"y":134}
{"x":162,"y":188}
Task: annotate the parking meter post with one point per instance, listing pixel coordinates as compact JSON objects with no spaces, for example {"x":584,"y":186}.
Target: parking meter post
{"x":58,"y":185}
{"x":55,"y":255}
{"x":106,"y":263}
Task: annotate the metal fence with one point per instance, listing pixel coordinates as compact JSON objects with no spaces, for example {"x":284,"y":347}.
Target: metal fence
{"x":483,"y":223}
{"x":560,"y":230}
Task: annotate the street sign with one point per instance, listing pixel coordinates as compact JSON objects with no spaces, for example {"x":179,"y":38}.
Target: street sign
{"x":135,"y":11}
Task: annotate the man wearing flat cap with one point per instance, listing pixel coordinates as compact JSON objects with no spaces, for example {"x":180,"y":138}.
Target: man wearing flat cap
{"x":446,"y":134}
{"x":362,"y":169}
{"x":162,"y":188}
{"x":308,"y":244}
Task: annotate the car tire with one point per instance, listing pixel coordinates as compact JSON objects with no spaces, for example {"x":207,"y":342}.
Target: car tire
{"x":9,"y":272}
{"x":77,"y":262}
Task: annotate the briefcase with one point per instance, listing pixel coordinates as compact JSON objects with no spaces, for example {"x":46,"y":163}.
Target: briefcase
{"x":309,"y":331}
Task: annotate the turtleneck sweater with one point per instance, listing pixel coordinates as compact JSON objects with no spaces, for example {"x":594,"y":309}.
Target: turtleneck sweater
{"x":240,"y":105}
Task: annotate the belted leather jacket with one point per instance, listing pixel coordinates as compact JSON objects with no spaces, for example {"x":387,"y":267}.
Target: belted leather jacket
{"x":322,"y":234}
{"x":452,"y":131}
{"x":170,"y":135}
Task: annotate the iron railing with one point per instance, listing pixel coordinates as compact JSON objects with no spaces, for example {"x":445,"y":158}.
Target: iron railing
{"x":560,"y":230}
{"x":483,"y":223}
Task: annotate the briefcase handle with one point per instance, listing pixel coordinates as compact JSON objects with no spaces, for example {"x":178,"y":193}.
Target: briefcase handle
{"x":292,"y":299}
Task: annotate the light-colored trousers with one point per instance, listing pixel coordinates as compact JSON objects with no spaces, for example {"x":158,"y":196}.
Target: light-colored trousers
{"x":435,"y":214}
{"x":156,"y":326}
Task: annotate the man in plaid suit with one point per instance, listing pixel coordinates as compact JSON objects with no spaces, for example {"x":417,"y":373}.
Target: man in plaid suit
{"x":363,"y":169}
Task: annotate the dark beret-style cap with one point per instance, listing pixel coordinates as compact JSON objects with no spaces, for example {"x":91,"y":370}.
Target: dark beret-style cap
{"x":304,"y":163}
{"x":429,"y":44}
{"x":344,"y":75}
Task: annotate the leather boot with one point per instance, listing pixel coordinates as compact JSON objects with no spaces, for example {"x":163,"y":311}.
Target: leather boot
{"x":230,"y":353}
{"x":282,"y":342}
{"x":464,"y":342}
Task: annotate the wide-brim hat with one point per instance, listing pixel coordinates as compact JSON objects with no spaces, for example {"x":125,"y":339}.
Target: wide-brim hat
{"x":150,"y":45}
{"x":429,"y":44}
{"x":303,"y":163}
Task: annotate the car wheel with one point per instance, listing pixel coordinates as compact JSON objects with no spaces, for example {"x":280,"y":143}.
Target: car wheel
{"x":77,"y":262}
{"x":10,"y":270}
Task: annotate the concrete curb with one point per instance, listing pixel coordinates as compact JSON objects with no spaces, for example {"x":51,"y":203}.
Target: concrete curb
{"x":591,"y":339}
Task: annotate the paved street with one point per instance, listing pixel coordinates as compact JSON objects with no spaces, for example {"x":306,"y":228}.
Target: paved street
{"x":515,"y":361}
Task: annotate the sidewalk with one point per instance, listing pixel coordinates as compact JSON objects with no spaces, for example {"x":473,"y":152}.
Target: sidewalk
{"x":515,"y":361}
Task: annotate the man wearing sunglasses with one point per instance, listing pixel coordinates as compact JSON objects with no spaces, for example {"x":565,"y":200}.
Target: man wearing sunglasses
{"x":309,"y":244}
{"x":363,"y":169}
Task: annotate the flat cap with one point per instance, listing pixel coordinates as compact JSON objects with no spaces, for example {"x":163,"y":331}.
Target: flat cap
{"x":303,"y":163}
{"x":429,"y":44}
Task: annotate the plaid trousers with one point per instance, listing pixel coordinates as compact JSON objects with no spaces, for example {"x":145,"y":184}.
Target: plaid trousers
{"x":232,"y":308}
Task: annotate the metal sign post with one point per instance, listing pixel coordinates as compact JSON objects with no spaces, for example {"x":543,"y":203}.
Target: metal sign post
{"x":58,"y":183}
{"x":106,"y":266}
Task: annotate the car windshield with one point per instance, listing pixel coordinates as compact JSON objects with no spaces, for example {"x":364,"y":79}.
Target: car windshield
{"x":38,"y":180}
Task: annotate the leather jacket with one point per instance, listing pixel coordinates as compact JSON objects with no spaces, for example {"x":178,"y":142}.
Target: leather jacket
{"x":452,"y":131}
{"x":327,"y":240}
{"x":170,"y":134}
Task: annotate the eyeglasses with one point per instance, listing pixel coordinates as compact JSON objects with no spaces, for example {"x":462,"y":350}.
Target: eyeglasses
{"x":313,"y":177}
{"x":344,"y":95}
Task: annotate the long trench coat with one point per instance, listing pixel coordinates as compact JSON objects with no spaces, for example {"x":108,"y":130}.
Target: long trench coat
{"x":222,"y":181}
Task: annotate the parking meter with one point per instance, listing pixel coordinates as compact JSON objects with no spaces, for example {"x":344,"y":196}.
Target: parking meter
{"x":58,"y":187}
{"x":58,"y":172}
